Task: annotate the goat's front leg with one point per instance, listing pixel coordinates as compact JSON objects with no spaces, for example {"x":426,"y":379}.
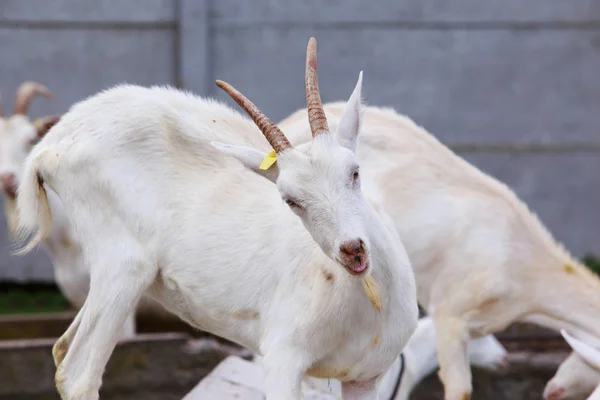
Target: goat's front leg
{"x":116,"y":286}
{"x":452,"y":339}
{"x":360,"y":390}
{"x":284,"y":370}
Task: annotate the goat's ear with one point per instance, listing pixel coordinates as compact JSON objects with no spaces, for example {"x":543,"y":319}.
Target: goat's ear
{"x":43,"y":125}
{"x":590,"y":354}
{"x":349,"y":125}
{"x":251,"y":158}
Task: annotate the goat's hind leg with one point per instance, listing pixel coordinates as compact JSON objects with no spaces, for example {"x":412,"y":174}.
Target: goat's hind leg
{"x":60,"y":348}
{"x":128,"y":330}
{"x":119,"y":277}
{"x":452,"y":339}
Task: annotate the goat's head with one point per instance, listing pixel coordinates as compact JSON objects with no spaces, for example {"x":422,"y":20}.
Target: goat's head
{"x":321,"y":183}
{"x":18,"y":134}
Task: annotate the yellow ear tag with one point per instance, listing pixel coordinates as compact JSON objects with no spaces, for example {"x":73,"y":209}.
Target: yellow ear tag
{"x":38,"y":123}
{"x":268,"y":161}
{"x":372,"y":291}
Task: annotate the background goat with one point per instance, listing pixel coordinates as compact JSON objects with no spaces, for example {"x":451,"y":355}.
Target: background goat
{"x":577,"y":376}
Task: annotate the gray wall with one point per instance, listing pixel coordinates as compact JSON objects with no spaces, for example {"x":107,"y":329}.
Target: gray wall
{"x":510,"y":84}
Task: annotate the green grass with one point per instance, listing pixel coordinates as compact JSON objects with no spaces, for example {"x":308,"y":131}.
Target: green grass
{"x":35,"y":298}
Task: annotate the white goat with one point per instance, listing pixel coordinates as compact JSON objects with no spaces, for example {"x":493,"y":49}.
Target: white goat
{"x":18,"y":135}
{"x":419,"y":360}
{"x":482,"y":260}
{"x":160,"y":210}
{"x":577,"y":376}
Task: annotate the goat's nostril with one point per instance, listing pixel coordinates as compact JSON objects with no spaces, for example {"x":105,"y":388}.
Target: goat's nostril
{"x":353,"y":248}
{"x":357,"y":258}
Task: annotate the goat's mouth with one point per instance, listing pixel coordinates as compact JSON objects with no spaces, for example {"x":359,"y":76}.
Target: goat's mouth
{"x":356,"y":268}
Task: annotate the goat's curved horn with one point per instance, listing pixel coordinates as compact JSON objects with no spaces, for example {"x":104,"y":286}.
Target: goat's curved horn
{"x":26,"y":92}
{"x":273,"y":134}
{"x":316,"y":114}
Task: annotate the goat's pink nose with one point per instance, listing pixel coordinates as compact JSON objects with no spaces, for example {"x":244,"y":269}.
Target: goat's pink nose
{"x":355,"y":247}
{"x":8,"y":182}
{"x":7,"y":179}
{"x":555,"y":393}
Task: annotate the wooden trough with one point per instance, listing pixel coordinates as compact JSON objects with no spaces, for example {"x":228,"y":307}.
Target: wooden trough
{"x":168,"y":359}
{"x":164,"y":362}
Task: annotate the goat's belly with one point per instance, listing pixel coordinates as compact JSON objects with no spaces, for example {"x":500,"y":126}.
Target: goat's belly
{"x":73,"y":282}
{"x":245,"y":333}
{"x":239,"y":325}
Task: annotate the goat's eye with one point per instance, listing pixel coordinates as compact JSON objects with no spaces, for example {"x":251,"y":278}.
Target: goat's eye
{"x":355,"y":176}
{"x":291,"y":203}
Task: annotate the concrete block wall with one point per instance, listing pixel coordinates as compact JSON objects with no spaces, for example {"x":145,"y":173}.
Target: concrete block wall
{"x":512,"y":86}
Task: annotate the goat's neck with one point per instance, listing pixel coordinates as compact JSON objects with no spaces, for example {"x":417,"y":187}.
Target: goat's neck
{"x":387,"y":251}
{"x":566,"y":295}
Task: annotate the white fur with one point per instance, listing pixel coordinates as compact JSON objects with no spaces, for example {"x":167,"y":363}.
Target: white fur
{"x":159,"y":210}
{"x":482,"y":260}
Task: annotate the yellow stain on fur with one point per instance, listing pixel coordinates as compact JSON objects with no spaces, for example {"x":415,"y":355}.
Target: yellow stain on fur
{"x":246,"y":315}
{"x":327,"y":373}
{"x":59,"y":351}
{"x":376,"y":341}
{"x":466,"y":396}
{"x":372,"y":290}
{"x":65,"y":240}
{"x":570,"y":269}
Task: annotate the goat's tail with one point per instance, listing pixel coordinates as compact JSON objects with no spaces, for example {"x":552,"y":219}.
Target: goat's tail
{"x":33,"y":209}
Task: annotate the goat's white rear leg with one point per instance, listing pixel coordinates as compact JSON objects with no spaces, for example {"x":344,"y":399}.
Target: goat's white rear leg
{"x":360,"y":390}
{"x":60,"y":348}
{"x":117,"y":284}
{"x":129,"y":329}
